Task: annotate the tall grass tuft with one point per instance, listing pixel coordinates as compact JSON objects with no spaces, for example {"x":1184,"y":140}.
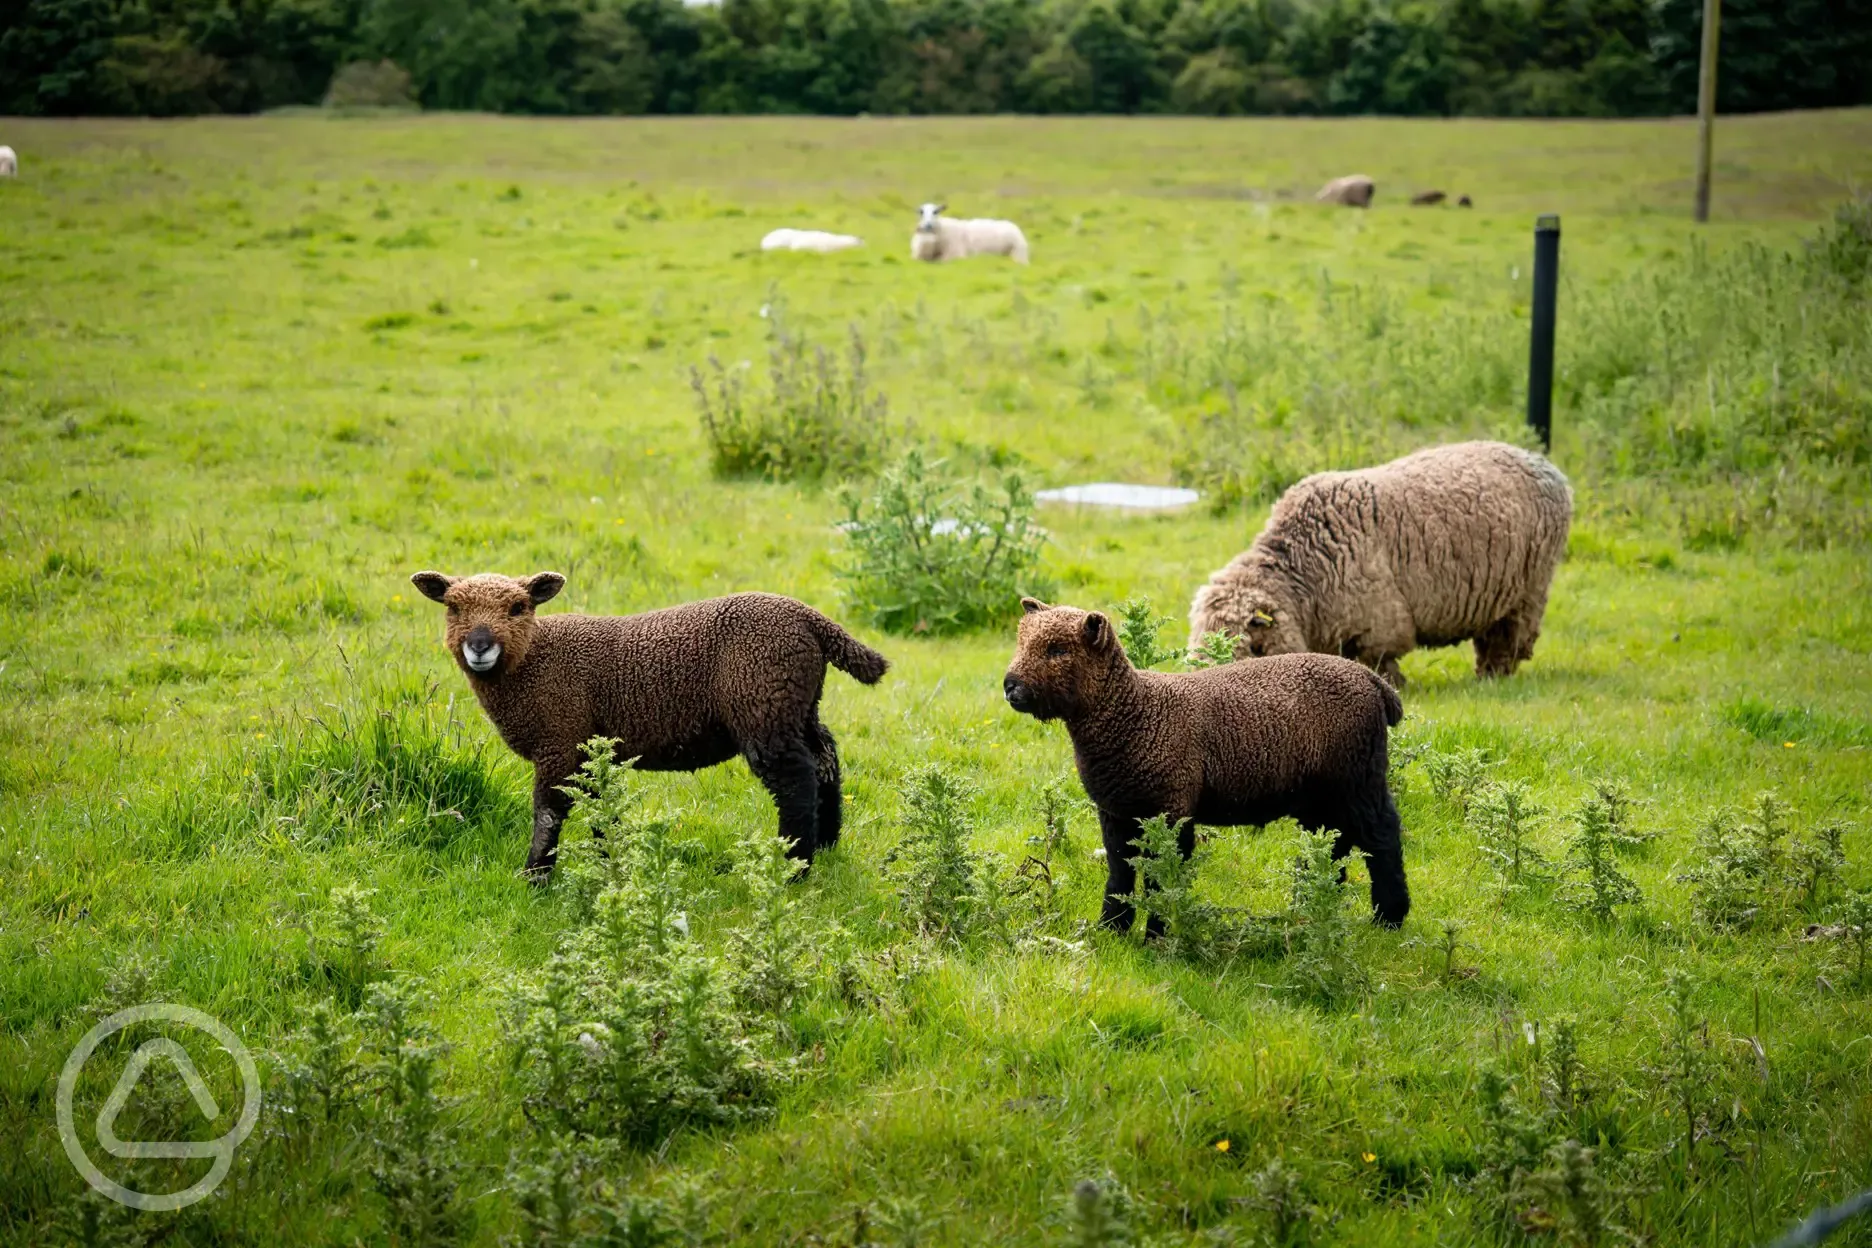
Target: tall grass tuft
{"x":818,"y":417}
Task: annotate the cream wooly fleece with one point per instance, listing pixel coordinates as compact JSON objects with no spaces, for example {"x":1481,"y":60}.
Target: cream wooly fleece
{"x":1450,"y":544}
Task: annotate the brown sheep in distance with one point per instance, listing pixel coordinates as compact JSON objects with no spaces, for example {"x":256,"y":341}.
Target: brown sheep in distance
{"x":1452,"y":543}
{"x":1304,"y":735}
{"x":1426,"y":199}
{"x":680,"y":689}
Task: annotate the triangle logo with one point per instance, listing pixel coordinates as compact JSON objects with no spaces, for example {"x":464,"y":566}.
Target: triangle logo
{"x":139,"y":1062}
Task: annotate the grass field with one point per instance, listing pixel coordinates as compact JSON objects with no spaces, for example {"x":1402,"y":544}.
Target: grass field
{"x":253,"y":373}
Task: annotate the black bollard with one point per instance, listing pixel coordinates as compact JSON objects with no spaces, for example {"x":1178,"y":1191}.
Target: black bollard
{"x":1540,"y":346}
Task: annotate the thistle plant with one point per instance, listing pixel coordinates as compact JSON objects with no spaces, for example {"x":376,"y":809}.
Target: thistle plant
{"x":1213,"y":650}
{"x":1687,"y":1063}
{"x":1279,"y":1193}
{"x":1818,"y":860}
{"x":1594,"y":883}
{"x":1503,"y":819}
{"x":1166,"y":888}
{"x":1323,"y":932}
{"x":936,"y":872}
{"x":1138,"y":627}
{"x":767,"y":950}
{"x":1456,"y":776}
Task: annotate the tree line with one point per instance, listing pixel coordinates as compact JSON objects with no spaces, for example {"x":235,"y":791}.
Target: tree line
{"x":1216,"y":57}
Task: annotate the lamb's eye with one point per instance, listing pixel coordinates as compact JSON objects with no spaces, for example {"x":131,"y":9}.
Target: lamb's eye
{"x":1056,"y":651}
{"x":518,"y":608}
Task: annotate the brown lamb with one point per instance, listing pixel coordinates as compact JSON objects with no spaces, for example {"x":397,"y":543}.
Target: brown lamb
{"x":1303,"y":735}
{"x":1452,"y":543}
{"x":680,"y":689}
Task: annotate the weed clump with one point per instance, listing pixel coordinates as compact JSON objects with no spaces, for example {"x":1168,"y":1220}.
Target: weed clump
{"x":1456,"y":776}
{"x":1280,"y":1194}
{"x":1503,"y":818}
{"x":945,"y":888}
{"x":1743,"y":873}
{"x":633,"y":1028}
{"x":1593,"y":882}
{"x":930,"y":555}
{"x":819,"y":417}
{"x":1323,"y":933}
{"x":1138,"y":626}
{"x":1096,"y":1215}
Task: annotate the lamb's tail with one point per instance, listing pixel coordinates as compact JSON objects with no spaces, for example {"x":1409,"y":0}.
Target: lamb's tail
{"x":1393,"y":705}
{"x":846,"y":652}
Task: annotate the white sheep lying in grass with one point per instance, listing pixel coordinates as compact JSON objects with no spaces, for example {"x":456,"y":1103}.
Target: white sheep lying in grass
{"x":9,"y":162}
{"x":808,"y":240}
{"x":1355,"y":190}
{"x":955,"y":238}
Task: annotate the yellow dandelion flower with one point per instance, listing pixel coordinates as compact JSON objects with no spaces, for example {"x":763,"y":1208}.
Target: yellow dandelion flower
{"x":396,"y":597}
{"x":1222,"y":1146}
{"x":1369,"y":1157}
{"x":1787,"y":745}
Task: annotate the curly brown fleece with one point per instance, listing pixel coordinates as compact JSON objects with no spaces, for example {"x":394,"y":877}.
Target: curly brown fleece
{"x":680,"y":689}
{"x":1302,"y":735}
{"x":1452,"y":543}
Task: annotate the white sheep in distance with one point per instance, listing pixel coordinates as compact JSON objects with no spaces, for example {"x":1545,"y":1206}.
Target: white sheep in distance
{"x":1355,"y":190}
{"x":957,"y":238}
{"x":808,"y":240}
{"x":9,"y":162}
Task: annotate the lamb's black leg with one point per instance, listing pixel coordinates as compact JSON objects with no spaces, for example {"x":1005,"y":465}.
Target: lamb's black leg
{"x":1383,"y":843}
{"x":1379,"y":833}
{"x":1117,"y":914}
{"x":789,"y":769}
{"x":1186,"y":845}
{"x":550,"y":808}
{"x":831,"y":795}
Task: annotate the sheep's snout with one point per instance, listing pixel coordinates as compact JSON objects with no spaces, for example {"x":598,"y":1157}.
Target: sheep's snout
{"x":1019,"y":696}
{"x":479,"y":649}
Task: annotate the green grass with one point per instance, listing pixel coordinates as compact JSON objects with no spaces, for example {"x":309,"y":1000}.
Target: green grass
{"x":255,"y":372}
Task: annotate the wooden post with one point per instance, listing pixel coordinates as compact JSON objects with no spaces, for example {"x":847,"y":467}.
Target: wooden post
{"x":1706,"y":105}
{"x":1541,"y":328}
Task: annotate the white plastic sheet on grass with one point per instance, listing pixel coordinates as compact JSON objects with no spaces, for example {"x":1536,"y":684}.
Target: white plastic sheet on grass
{"x":1122,"y":497}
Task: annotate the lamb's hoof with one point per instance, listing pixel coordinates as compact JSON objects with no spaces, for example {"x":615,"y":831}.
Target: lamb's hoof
{"x":537,"y":876}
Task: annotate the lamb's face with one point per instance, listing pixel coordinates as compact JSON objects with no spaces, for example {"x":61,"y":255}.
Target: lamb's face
{"x":926,"y":217}
{"x":1062,"y":658}
{"x":490,"y":616}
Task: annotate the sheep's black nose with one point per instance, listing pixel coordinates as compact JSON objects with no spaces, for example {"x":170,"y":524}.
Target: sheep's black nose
{"x":1018,"y":695}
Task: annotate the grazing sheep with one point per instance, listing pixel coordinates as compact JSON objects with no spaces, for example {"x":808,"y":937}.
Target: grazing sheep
{"x":957,"y":238}
{"x":680,"y":689}
{"x":1304,"y":735}
{"x":1465,"y":202}
{"x":1425,"y":199}
{"x":1451,"y":543}
{"x":1355,"y":190}
{"x":9,"y":162}
{"x":808,"y":240}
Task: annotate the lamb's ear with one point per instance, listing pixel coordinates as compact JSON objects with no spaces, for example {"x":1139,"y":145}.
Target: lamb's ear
{"x":941,"y":208}
{"x":543,"y":586}
{"x":1031,"y":605}
{"x":1098,"y":634}
{"x":432,"y":584}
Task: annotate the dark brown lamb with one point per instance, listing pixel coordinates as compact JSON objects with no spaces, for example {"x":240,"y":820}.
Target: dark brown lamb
{"x":1303,"y":735}
{"x":1452,"y":543}
{"x":680,"y":689}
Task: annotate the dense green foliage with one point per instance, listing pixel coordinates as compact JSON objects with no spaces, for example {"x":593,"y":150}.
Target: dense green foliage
{"x":1224,"y":57}
{"x":254,"y":372}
